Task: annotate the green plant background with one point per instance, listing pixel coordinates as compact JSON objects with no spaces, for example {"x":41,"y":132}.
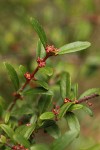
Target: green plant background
{"x":64,"y":22}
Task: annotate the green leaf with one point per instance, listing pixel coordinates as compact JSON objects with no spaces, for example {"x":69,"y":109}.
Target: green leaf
{"x":21,"y":140}
{"x":22,"y":71}
{"x":40,"y":31}
{"x":22,"y":111}
{"x":46,"y":70}
{"x":13,"y":75}
{"x":75,"y":107}
{"x":90,"y":91}
{"x":7,"y":116}
{"x":39,"y":147}
{"x":72,"y":121}
{"x":75,"y":90}
{"x":3,"y":139}
{"x":38,"y":90}
{"x":62,"y":142}
{"x":73,"y":47}
{"x":44,"y":102}
{"x":54,"y":131}
{"x":40,"y":52}
{"x":43,"y":84}
{"x":64,"y":109}
{"x":88,"y":111}
{"x":7,"y":130}
{"x":25,"y":130}
{"x":47,"y":115}
{"x":65,"y":85}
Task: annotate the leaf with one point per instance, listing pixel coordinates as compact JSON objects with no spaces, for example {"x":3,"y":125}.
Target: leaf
{"x":72,"y":121}
{"x":39,"y":147}
{"x":22,"y":111}
{"x":44,"y":103}
{"x":3,"y":139}
{"x":22,"y":71}
{"x":64,"y":109}
{"x":7,"y":130}
{"x":46,"y":70}
{"x":75,"y":90}
{"x":88,"y":111}
{"x":40,"y":31}
{"x":37,"y":90}
{"x":65,"y":85}
{"x":40,"y":52}
{"x":73,"y":47}
{"x":7,"y":116}
{"x":43,"y":84}
{"x":13,"y":75}
{"x":90,"y":91}
{"x":25,"y":130}
{"x":47,"y":115}
{"x":54,"y":131}
{"x":21,"y":140}
{"x":62,"y":142}
{"x":75,"y":107}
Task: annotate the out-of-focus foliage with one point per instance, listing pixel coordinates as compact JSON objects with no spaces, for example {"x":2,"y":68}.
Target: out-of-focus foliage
{"x":64,"y":21}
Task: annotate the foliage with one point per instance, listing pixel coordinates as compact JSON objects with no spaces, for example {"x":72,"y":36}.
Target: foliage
{"x":33,"y":108}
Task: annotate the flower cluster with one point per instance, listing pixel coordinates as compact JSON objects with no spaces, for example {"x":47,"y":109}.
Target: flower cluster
{"x":19,"y":147}
{"x":41,"y":62}
{"x":51,"y":50}
{"x":27,"y":75}
{"x":56,"y":110}
{"x":66,"y":100}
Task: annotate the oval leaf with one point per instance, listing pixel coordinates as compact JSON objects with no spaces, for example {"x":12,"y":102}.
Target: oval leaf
{"x":65,"y":85}
{"x":13,"y":75}
{"x":88,"y":111}
{"x":40,"y":31}
{"x":75,"y":107}
{"x":72,"y":121}
{"x":64,"y":109}
{"x":62,"y":142}
{"x":73,"y":47}
{"x":47,"y":115}
{"x":43,"y":84}
{"x":39,"y":147}
{"x":46,"y":70}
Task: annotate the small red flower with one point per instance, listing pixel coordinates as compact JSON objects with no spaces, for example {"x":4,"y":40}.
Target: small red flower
{"x":19,"y":147}
{"x":51,"y":49}
{"x":27,"y":75}
{"x":41,"y":62}
{"x":55,"y":111}
{"x":66,"y":100}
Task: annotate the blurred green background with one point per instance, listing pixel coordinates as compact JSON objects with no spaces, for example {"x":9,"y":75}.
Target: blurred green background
{"x":64,"y":21}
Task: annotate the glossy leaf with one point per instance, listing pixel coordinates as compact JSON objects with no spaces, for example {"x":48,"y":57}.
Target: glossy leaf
{"x":44,"y":103}
{"x":43,"y":84}
{"x":73,"y":47}
{"x":21,"y":140}
{"x":75,"y":107}
{"x":88,"y":110}
{"x":13,"y":75}
{"x":40,"y":31}
{"x":25,"y":130}
{"x":90,"y":91}
{"x":38,"y":90}
{"x":65,"y":85}
{"x":7,"y":130}
{"x":62,"y":142}
{"x":64,"y":109}
{"x":3,"y":139}
{"x":72,"y":121}
{"x":54,"y":131}
{"x":47,"y":115}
